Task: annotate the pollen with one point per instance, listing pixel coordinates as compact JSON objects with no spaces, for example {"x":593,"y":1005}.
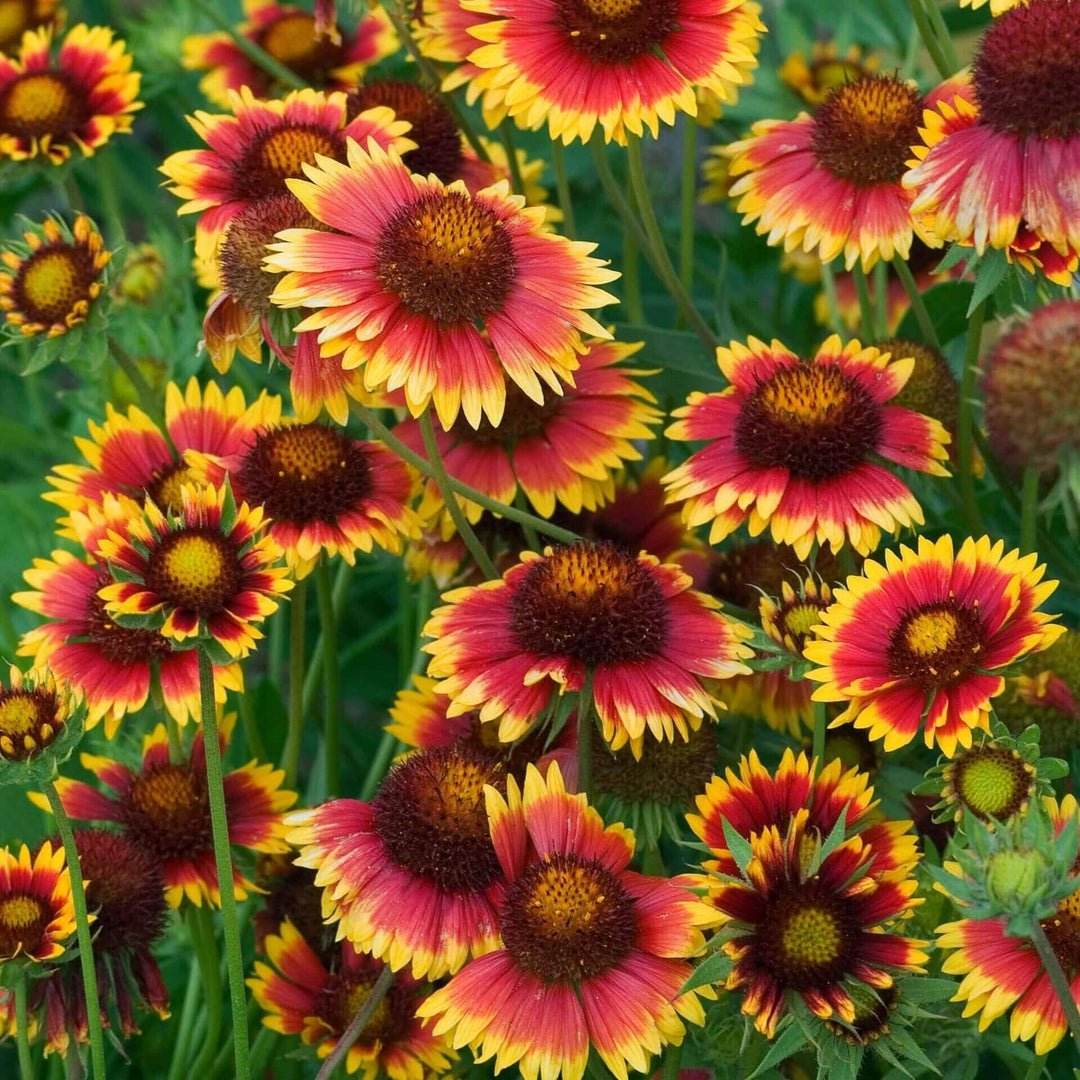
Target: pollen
{"x":287,"y":150}
{"x":931,"y":632}
{"x":936,"y":644}
{"x":23,"y":919}
{"x":167,"y":488}
{"x":195,"y":563}
{"x":800,"y":619}
{"x":812,"y":937}
{"x":290,"y":39}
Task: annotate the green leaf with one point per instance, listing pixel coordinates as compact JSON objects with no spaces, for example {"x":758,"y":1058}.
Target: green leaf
{"x":989,"y":274}
{"x":922,"y":990}
{"x":1053,"y":768}
{"x":738,"y":845}
{"x":945,"y":304}
{"x":789,"y":1042}
{"x":954,"y":255}
{"x":674,"y":350}
{"x":712,"y":969}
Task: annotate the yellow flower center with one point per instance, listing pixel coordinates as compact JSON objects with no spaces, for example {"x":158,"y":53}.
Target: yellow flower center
{"x":196,"y":563}
{"x":166,"y":811}
{"x":19,"y":912}
{"x":807,"y":395}
{"x":53,"y":281}
{"x":579,"y":575}
{"x":285,"y":151}
{"x":168,"y":492}
{"x":568,"y":900}
{"x":931,"y":632}
{"x":812,"y":937}
{"x":195,"y":570}
{"x":302,"y":453}
{"x":40,"y":100}
{"x":28,"y":722}
{"x":291,"y":38}
{"x":18,"y":714}
{"x":801,"y":619}
{"x":612,"y":9}
{"x":14,"y":19}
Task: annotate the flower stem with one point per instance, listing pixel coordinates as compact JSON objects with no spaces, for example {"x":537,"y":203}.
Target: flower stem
{"x":260,"y":57}
{"x":965,"y":422}
{"x":672,"y":1061}
{"x":192,"y":998}
{"x":223,"y":859}
{"x":311,"y":679}
{"x":1052,"y":967}
{"x":506,"y":134}
{"x":1035,"y":1069}
{"x":631,"y":279}
{"x":461,"y":522}
{"x":206,"y":953}
{"x":584,"y":733}
{"x":22,"y":1026}
{"x":531,"y":537}
{"x":828,"y":283}
{"x":881,"y":299}
{"x":1029,"y":510}
{"x":82,"y":930}
{"x":944,"y":38}
{"x":868,"y":333}
{"x":930,"y":40}
{"x":562,"y":186}
{"x":687,"y":198}
{"x":127,"y":365}
{"x":820,"y":723}
{"x":661,"y":259}
{"x":331,"y":678}
{"x":358,"y":1023}
{"x":290,"y":754}
{"x":614,"y":194}
{"x":922,"y":316}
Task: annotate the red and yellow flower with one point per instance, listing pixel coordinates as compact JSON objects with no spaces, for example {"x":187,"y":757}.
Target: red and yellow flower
{"x":1002,"y":972}
{"x":625,"y":65}
{"x":34,"y":710}
{"x":814,"y":78}
{"x":37,"y":916}
{"x":412,"y":269}
{"x":163,"y":809}
{"x":927,"y":636}
{"x":790,"y":445}
{"x":653,"y":646}
{"x":593,"y":954}
{"x":333,"y":60}
{"x":77,"y":102}
{"x":301,"y":997}
{"x":204,"y":574}
{"x":22,"y":15}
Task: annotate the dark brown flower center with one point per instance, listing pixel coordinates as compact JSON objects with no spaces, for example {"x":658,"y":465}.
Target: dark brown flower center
{"x":991,"y":781}
{"x":291,"y":39}
{"x":23,"y":921}
{"x":593,"y":602}
{"x":864,"y":130}
{"x":616,"y":31}
{"x":40,"y":103}
{"x":448,"y":258}
{"x":166,"y":813}
{"x":812,"y":420}
{"x":122,"y":644}
{"x":28,"y":722}
{"x":567,"y":919}
{"x":195,"y":569}
{"x":670,"y":772}
{"x":1027,"y":71}
{"x":280,"y":154}
{"x":522,"y":419}
{"x":52,"y":281}
{"x":935,"y":645}
{"x":344,"y":995}
{"x":431,"y":817}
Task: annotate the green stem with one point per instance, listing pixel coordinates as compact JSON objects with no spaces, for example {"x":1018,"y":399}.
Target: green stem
{"x":358,"y":1023}
{"x":130,"y":368}
{"x":562,"y":186}
{"x":866,"y":309}
{"x":922,"y":316}
{"x":331,"y":679}
{"x":614,"y":193}
{"x":1029,"y":510}
{"x":192,"y":997}
{"x":1058,"y":981}
{"x":820,"y":724}
{"x":82,"y":930}
{"x":881,"y":299}
{"x":584,"y":734}
{"x":506,"y":134}
{"x":260,"y":57}
{"x":687,"y":200}
{"x":1035,"y":1069}
{"x":202,"y":940}
{"x":661,"y":259}
{"x":926,"y":32}
{"x":234,"y":962}
{"x":631,"y":279}
{"x":255,"y":744}
{"x":965,"y":421}
{"x":531,"y":537}
{"x":311,"y":679}
{"x":377,"y":769}
{"x":672,"y":1061}
{"x":290,"y":754}
{"x":944,"y":38}
{"x":22,"y":1026}
{"x":828,"y":283}
{"x":461,"y":522}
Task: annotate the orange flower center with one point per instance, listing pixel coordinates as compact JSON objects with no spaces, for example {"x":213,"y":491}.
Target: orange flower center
{"x":194,"y":570}
{"x":448,"y":258}
{"x":811,"y":419}
{"x":28,"y":722}
{"x":167,"y":814}
{"x":936,"y":645}
{"x":291,"y":39}
{"x":596,"y":603}
{"x":281,"y":154}
{"x":23,"y":922}
{"x":41,"y":103}
{"x":55,"y":284}
{"x":991,"y":782}
{"x":864,"y":130}
{"x":566,"y":919}
{"x":617,"y":31}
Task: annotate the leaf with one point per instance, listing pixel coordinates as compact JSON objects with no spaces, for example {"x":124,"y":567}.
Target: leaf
{"x":946,"y":305}
{"x":712,"y":969}
{"x":924,"y":990}
{"x":676,"y":351}
{"x":1053,"y":768}
{"x":952,"y":257}
{"x":738,"y":845}
{"x":791,"y":1041}
{"x":989,"y":274}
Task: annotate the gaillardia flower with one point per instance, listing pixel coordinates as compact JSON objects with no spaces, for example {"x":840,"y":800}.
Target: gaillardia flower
{"x":926,"y":636}
{"x":1000,"y":170}
{"x":1002,"y":972}
{"x":412,"y":269}
{"x":252,"y":152}
{"x":990,"y":781}
{"x":592,"y":953}
{"x":22,"y":15}
{"x":335,"y":60}
{"x":411,"y":877}
{"x":52,"y":277}
{"x":827,"y":68}
{"x":163,"y":809}
{"x":302,"y":997}
{"x":203,"y":575}
{"x":566,"y":450}
{"x":790,"y":446}
{"x":77,"y":102}
{"x":652,"y":645}
{"x":111,"y":666}
{"x":34,"y":711}
{"x":36,"y":912}
{"x":627,"y":65}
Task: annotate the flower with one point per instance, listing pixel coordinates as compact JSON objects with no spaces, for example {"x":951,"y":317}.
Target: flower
{"x":411,"y":270}
{"x":142,"y":275}
{"x":507,"y":647}
{"x":51,"y":108}
{"x":927,"y":636}
{"x":251,"y":153}
{"x":814,"y":79}
{"x":204,"y":575}
{"x":412,"y":876}
{"x":333,"y":61}
{"x":992,"y":779}
{"x":1002,"y":972}
{"x":790,"y":444}
{"x":741,"y":574}
{"x":627,"y":65}
{"x":932,"y":389}
{"x":163,"y":809}
{"x":36,"y":912}
{"x":996,"y":167}
{"x":566,"y":450}
{"x":34,"y":711}
{"x":289,"y":893}
{"x":52,"y":277}
{"x":594,"y":954}
{"x":26,"y":15}
{"x":111,"y":666}
{"x":302,"y":997}
{"x":830,"y":182}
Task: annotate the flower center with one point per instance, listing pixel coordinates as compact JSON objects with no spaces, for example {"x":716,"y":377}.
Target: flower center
{"x":431,"y":817}
{"x":53,"y":280}
{"x":593,"y":602}
{"x":992,"y":782}
{"x":616,"y":31}
{"x":27,"y":722}
{"x":1063,"y":931}
{"x":23,"y":920}
{"x":567,"y":918}
{"x":826,"y":75}
{"x":40,"y":103}
{"x":864,"y":130}
{"x":344,"y":996}
{"x":935,"y":645}
{"x":167,"y":486}
{"x":306,"y":472}
{"x":806,"y":936}
{"x":447,"y":258}
{"x":522,"y":419}
{"x":167,"y":813}
{"x":1027,"y":70}
{"x":797,"y":621}
{"x":122,"y":644}
{"x":194,"y":569}
{"x":280,"y":154}
{"x":291,"y":39}
{"x":812,"y":420}
{"x":872,"y":1010}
